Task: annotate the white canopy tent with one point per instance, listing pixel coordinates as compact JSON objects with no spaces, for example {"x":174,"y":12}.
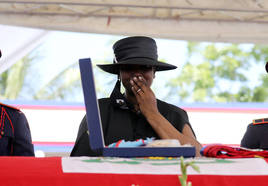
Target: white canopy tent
{"x":241,"y":21}
{"x":206,"y":20}
{"x":16,"y":42}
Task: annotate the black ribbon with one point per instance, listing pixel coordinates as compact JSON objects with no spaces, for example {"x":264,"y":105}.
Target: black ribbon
{"x":118,"y":99}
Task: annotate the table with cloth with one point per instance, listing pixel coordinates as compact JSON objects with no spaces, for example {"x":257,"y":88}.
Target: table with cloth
{"x":30,"y":171}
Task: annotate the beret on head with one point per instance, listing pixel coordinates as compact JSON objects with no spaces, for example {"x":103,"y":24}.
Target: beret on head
{"x":136,"y":50}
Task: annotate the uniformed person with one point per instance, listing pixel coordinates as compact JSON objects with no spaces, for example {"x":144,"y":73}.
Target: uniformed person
{"x":256,"y":136}
{"x":15,"y":135}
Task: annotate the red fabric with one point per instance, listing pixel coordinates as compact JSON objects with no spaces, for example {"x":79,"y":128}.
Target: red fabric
{"x":29,"y":171}
{"x":165,"y":180}
{"x":220,"y":180}
{"x":223,"y":151}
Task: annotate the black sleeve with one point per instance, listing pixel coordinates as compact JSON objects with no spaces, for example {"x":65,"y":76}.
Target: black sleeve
{"x":175,"y":115}
{"x":187,"y":122}
{"x":251,"y":138}
{"x":264,"y":138}
{"x":22,"y":144}
{"x":256,"y":137}
{"x":82,"y":147}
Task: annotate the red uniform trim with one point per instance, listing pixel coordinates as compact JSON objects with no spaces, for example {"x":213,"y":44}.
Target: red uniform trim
{"x":9,"y":106}
{"x":2,"y":119}
{"x":11,"y":124}
{"x":3,"y":115}
{"x":255,"y":122}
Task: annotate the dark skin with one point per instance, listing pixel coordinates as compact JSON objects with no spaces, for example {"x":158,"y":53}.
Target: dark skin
{"x":137,"y":80}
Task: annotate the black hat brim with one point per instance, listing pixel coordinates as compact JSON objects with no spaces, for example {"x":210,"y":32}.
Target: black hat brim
{"x":114,"y":68}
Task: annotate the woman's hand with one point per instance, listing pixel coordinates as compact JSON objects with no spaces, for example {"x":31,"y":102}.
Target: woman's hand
{"x":144,"y":95}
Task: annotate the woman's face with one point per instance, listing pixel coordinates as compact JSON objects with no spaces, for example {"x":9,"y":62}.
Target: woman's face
{"x":128,"y":72}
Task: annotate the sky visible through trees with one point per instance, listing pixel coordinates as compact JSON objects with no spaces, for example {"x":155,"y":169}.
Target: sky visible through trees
{"x":207,"y":72}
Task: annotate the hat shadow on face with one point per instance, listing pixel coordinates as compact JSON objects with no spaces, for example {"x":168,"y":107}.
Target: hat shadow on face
{"x":136,"y":50}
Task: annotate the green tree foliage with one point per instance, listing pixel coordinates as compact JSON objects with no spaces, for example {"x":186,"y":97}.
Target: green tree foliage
{"x":61,"y":85}
{"x":222,"y":73}
{"x":212,"y":72}
{"x":17,"y":82}
{"x":67,"y":84}
{"x":12,"y":80}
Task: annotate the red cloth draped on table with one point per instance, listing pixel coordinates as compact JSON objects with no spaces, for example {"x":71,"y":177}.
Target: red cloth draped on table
{"x":224,"y":151}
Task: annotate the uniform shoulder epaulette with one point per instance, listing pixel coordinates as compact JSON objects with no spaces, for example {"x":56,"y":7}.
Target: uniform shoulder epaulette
{"x":12,"y":107}
{"x":260,"y":121}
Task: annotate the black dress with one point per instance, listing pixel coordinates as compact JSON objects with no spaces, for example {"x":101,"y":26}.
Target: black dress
{"x":120,"y":122}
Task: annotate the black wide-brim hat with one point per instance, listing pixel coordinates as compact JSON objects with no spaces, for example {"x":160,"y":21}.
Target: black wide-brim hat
{"x":137,"y":50}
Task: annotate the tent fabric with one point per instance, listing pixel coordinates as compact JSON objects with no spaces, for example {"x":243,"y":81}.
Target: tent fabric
{"x":16,"y":42}
{"x":241,"y":21}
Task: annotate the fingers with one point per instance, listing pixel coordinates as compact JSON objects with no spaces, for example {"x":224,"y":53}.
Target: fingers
{"x":135,"y":89}
{"x":136,"y":92}
{"x":140,"y":82}
{"x":138,"y":85}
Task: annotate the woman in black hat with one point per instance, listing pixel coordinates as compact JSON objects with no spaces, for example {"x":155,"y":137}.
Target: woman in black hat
{"x":136,"y":114}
